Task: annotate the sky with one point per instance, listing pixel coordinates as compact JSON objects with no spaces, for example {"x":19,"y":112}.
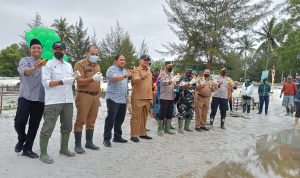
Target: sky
{"x":142,"y":19}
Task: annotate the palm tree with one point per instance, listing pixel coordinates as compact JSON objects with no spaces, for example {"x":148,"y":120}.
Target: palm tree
{"x":63,"y":29}
{"x":269,"y":37}
{"x":246,"y":47}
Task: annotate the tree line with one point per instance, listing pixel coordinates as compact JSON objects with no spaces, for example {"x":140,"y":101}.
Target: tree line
{"x":242,"y":35}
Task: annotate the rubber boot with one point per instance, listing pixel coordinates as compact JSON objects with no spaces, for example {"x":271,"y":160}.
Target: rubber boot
{"x":287,"y":111}
{"x":165,"y":125}
{"x":223,"y":123}
{"x":211,"y":122}
{"x":64,"y":142}
{"x":187,"y":125}
{"x":160,"y":127}
{"x":180,"y":126}
{"x":292,"y":110}
{"x":296,"y":121}
{"x":89,"y":140}
{"x":44,"y":157}
{"x":168,"y":127}
{"x":78,"y":148}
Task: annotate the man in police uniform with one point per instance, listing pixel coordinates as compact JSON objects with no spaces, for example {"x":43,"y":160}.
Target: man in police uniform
{"x":87,"y":98}
{"x":140,"y":99}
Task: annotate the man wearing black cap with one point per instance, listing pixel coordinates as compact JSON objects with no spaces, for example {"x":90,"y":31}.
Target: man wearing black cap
{"x":57,"y":80}
{"x":140,"y":99}
{"x":31,"y":99}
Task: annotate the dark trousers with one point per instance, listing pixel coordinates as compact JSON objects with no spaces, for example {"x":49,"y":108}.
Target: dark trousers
{"x":32,"y":112}
{"x":246,"y":104}
{"x":262,"y":100}
{"x":166,"y":109}
{"x":115,"y":118}
{"x":215,"y":103}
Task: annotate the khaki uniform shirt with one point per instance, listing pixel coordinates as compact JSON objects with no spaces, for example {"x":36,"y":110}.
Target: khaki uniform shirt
{"x":87,"y":70}
{"x":204,"y":87}
{"x":143,"y":88}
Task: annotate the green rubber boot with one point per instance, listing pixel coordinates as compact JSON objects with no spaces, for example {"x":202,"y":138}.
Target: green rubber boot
{"x":187,"y":125}
{"x":64,"y":141}
{"x":168,"y":127}
{"x":180,"y":126}
{"x":44,"y":157}
{"x":160,"y":127}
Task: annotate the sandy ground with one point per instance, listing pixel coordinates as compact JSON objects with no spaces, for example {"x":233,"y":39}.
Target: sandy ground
{"x":181,"y":155}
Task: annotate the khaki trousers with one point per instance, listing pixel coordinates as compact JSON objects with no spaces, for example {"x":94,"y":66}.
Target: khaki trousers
{"x":140,"y":110}
{"x":201,"y":110}
{"x":87,"y":110}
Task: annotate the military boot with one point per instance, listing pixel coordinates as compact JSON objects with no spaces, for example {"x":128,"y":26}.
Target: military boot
{"x":160,"y":127}
{"x":64,"y":142}
{"x":78,"y":148}
{"x":187,"y":125}
{"x":44,"y":157}
{"x":168,"y":127}
{"x":89,"y":140}
{"x":180,"y":126}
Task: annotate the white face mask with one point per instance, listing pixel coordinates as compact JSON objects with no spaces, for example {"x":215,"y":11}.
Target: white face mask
{"x":94,"y":59}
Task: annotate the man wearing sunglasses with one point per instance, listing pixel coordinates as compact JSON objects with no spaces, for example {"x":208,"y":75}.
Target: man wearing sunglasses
{"x":140,"y":99}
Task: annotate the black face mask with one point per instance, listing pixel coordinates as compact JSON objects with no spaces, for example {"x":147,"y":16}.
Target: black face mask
{"x":170,"y":69}
{"x":58,"y":55}
{"x":206,"y":75}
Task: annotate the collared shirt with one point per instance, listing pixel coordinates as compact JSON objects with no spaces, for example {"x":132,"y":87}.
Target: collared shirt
{"x":142,"y":89}
{"x":57,"y":70}
{"x":204,"y":86}
{"x":166,"y":89}
{"x":116,"y":91}
{"x":31,"y":87}
{"x":289,"y":89}
{"x":87,"y":70}
{"x":222,"y":92}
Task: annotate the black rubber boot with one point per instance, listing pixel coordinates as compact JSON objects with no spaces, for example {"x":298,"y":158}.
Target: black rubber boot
{"x":222,"y":122}
{"x":212,"y":118}
{"x":89,"y":140}
{"x":78,"y":148}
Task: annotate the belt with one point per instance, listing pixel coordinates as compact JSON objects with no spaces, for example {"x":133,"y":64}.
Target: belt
{"x":90,"y":93}
{"x":203,"y":96}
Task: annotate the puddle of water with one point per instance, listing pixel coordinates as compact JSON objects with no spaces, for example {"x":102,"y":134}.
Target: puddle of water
{"x":274,"y":155}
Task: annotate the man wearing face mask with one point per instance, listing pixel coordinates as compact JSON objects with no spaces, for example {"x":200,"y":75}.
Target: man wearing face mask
{"x":87,"y":98}
{"x":166,"y":99}
{"x":203,"y":94}
{"x":220,"y":97}
{"x":264,"y":93}
{"x":57,"y":80}
{"x":185,"y":103}
{"x":247,"y":90}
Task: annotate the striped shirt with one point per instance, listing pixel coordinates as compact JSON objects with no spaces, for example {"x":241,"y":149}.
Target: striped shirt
{"x":116,"y":91}
{"x":31,"y":87}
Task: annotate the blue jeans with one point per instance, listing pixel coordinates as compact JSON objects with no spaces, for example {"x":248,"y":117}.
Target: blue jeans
{"x":262,"y":100}
{"x":115,"y":118}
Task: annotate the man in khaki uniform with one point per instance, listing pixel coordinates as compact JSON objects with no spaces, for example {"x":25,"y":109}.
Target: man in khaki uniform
{"x":140,"y":99}
{"x":87,"y":98}
{"x":203,"y":94}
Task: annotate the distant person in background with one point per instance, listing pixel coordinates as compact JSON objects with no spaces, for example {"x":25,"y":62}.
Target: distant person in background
{"x":246,"y":91}
{"x":31,"y":99}
{"x":289,"y":90}
{"x":297,"y":81}
{"x":264,"y":93}
{"x":297,"y":107}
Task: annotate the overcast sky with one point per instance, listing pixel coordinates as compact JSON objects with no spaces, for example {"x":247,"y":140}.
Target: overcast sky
{"x":143,"y":19}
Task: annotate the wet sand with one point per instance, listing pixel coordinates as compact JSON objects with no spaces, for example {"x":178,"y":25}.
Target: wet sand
{"x":188,"y":155}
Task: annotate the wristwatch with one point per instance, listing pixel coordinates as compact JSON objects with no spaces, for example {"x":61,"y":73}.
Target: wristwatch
{"x":60,"y":82}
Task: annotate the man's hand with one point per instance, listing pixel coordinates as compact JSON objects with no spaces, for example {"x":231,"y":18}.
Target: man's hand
{"x":68,"y":81}
{"x":98,"y":77}
{"x":39,"y":63}
{"x":129,"y":74}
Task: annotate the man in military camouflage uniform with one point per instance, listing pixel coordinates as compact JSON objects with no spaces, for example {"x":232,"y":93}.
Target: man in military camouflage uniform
{"x":185,"y":104}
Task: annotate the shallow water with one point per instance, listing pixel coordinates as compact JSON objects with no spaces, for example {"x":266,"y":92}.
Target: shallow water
{"x":274,"y":155}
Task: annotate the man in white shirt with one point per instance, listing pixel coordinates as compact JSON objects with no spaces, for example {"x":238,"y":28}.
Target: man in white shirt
{"x":57,"y":80}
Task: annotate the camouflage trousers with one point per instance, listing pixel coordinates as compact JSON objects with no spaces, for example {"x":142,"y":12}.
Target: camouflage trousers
{"x":185,"y":110}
